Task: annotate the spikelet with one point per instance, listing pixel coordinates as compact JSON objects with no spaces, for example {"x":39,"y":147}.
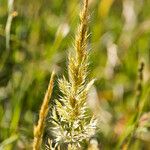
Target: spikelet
{"x":93,"y":145}
{"x":139,"y":84}
{"x":39,"y":129}
{"x":72,"y":121}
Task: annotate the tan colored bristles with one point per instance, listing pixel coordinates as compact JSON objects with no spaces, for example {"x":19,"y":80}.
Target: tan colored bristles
{"x":38,"y":130}
{"x":77,"y":68}
{"x":81,"y":38}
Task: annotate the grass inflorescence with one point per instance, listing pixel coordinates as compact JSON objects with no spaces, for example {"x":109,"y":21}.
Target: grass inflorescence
{"x":73,"y":123}
{"x":39,"y":128}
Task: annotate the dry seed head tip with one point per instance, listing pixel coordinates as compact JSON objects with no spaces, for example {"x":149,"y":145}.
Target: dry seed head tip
{"x":39,"y":129}
{"x":81,"y":38}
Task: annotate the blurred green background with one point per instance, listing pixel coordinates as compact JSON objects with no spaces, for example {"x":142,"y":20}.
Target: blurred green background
{"x":35,"y":38}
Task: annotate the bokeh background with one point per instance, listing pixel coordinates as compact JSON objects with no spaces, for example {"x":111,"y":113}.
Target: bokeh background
{"x":35,"y":38}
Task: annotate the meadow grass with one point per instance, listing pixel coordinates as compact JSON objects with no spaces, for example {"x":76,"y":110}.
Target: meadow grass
{"x":111,"y":40}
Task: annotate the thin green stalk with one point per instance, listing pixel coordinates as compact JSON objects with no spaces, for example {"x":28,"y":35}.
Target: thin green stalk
{"x":133,"y":123}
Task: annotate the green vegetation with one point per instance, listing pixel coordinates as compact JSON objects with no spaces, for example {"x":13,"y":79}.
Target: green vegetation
{"x":36,"y":37}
